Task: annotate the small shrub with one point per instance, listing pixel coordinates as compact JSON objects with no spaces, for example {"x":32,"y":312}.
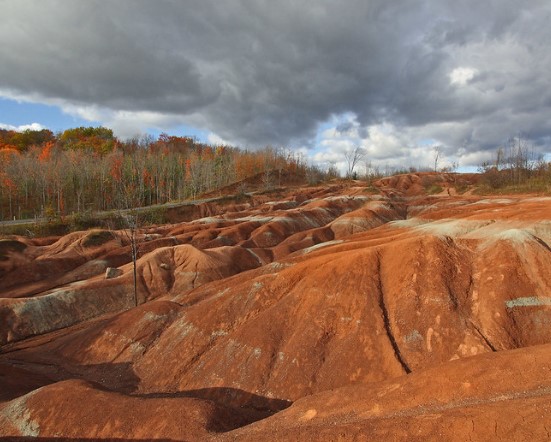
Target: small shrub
{"x":372,"y":189}
{"x":434,"y":189}
{"x":84,"y":221}
{"x":241,"y":190}
{"x":530,"y":186}
{"x":18,"y":230}
{"x":114,"y":221}
{"x":52,"y":228}
{"x":427,"y":181}
{"x":157,"y":215}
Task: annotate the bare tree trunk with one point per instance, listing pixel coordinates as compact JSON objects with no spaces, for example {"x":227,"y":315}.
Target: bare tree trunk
{"x":352,"y":158}
{"x":437,"y":153}
{"x":131,"y":219}
{"x":134,"y":259}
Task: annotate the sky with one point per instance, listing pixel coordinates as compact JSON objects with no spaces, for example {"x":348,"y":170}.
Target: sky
{"x":396,"y":78}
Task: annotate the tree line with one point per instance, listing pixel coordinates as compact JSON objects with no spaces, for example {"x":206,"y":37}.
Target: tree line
{"x":88,"y":169}
{"x":516,"y":164}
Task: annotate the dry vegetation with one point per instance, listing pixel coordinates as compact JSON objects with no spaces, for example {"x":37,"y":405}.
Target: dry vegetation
{"x":87,"y":169}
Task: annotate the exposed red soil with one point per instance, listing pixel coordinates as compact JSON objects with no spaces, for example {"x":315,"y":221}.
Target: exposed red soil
{"x":314,"y":313}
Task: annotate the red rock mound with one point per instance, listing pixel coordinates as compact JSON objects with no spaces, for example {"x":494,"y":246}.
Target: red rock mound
{"x":499,"y":396}
{"x":106,"y":414}
{"x":392,"y":316}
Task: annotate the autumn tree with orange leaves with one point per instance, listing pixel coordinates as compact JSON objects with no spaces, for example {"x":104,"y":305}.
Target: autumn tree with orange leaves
{"x":85,"y":169}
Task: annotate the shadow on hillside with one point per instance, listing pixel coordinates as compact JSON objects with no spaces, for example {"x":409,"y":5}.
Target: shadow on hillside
{"x":233,"y":409}
{"x":18,"y":380}
{"x":230,"y":397}
{"x":118,"y":377}
{"x":236,"y":408}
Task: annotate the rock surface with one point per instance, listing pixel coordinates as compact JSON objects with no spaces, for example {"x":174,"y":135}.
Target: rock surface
{"x":314,"y":313}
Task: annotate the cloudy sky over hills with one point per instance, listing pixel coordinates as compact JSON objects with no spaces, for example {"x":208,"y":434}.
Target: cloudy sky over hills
{"x":395,"y":77}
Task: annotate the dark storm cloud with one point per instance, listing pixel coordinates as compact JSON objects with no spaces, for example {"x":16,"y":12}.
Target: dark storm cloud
{"x":259,"y":72}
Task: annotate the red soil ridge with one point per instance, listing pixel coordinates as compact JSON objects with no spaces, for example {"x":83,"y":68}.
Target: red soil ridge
{"x":316,"y":313}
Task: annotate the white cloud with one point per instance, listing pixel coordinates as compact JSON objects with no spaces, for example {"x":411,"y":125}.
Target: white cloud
{"x":462,"y":76}
{"x":391,"y":146}
{"x":23,"y":127}
{"x":125,"y":124}
{"x":216,"y":140}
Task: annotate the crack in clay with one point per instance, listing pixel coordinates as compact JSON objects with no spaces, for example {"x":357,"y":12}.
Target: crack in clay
{"x":386,"y":319}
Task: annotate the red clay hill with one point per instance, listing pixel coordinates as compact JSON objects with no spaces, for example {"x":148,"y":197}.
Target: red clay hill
{"x":315,"y":313}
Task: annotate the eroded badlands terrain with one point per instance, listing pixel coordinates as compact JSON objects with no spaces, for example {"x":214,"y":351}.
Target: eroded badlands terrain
{"x":315,"y":313}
